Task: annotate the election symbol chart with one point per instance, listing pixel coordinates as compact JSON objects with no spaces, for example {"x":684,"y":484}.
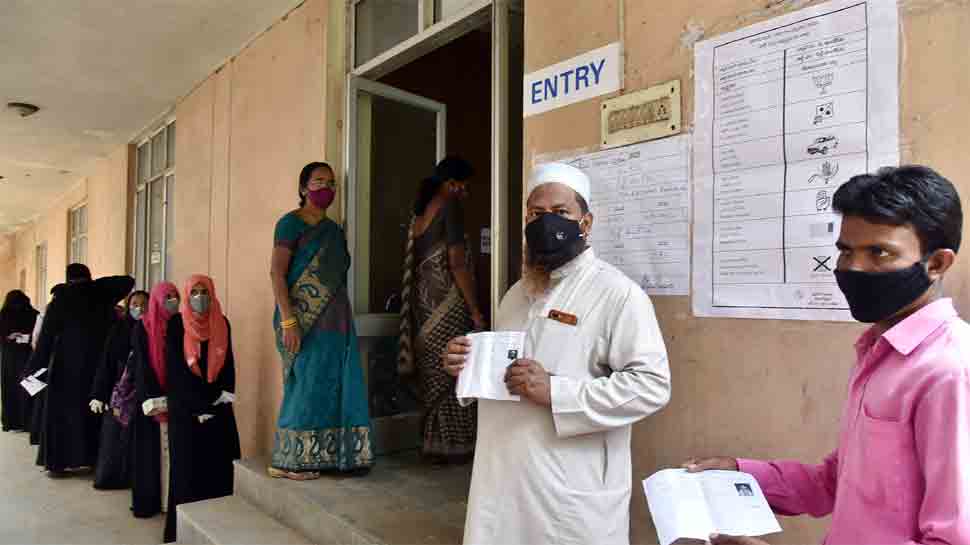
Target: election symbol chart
{"x":786,"y":112}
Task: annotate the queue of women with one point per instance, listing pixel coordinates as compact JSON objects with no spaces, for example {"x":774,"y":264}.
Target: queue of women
{"x":159,"y":392}
{"x":143,"y":396}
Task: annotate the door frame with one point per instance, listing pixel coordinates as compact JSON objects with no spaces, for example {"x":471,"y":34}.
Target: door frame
{"x":376,"y":324}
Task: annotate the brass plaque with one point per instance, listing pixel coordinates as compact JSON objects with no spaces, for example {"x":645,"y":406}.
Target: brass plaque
{"x":643,"y":115}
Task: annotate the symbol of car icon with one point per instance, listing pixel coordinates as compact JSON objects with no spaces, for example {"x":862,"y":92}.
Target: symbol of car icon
{"x":822,"y":145}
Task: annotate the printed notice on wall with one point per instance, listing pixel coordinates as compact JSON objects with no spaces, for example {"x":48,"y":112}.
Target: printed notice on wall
{"x":641,"y":208}
{"x":786,"y":111}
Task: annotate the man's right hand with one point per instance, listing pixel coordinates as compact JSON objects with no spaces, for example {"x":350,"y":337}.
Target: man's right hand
{"x":696,"y":465}
{"x":456,"y":355}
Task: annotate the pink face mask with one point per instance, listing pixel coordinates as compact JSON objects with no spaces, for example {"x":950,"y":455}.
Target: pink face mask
{"x":322,"y":198}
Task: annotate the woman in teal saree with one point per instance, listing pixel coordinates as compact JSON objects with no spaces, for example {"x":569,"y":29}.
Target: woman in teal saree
{"x":323,"y":423}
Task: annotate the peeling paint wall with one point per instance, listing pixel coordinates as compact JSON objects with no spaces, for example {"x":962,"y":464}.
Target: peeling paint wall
{"x":750,"y":387}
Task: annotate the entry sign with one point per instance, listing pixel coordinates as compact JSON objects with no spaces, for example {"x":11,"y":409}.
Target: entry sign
{"x":580,"y":78}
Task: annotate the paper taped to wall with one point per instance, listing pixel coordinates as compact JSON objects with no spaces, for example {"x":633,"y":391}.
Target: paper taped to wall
{"x":785,"y":112}
{"x":641,"y":207}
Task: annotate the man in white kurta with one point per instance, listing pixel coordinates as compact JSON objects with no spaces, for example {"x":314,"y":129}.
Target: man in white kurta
{"x":555,"y":467}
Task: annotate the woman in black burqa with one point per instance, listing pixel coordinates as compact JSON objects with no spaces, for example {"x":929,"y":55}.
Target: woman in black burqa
{"x":70,"y":346}
{"x":115,"y":374}
{"x":202,"y":436}
{"x":17,"y":318}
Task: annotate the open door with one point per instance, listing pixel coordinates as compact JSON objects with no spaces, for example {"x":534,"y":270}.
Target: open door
{"x":395,"y":138}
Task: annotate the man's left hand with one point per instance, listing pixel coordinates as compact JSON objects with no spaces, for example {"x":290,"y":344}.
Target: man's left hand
{"x":735,"y":540}
{"x":527,"y":378}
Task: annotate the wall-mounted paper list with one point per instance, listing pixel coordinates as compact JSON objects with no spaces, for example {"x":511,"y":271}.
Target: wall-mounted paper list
{"x":641,"y":205}
{"x":786,"y":111}
{"x":484,"y":374}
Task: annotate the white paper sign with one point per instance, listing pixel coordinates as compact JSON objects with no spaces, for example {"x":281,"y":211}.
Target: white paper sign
{"x":786,"y":111}
{"x":580,"y":78}
{"x":641,"y":207}
{"x":484,"y":374}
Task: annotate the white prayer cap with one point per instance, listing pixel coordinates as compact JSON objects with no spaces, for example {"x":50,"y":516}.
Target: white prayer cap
{"x":560,"y":173}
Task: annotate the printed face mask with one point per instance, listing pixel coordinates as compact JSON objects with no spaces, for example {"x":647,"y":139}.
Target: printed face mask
{"x":552,"y":240}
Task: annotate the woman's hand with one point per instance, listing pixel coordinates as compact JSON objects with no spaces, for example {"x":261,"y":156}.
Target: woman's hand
{"x":292,"y":337}
{"x":455,"y":356}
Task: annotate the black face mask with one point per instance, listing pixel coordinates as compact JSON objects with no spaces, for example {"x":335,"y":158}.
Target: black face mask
{"x":553,"y":240}
{"x":874,"y":297}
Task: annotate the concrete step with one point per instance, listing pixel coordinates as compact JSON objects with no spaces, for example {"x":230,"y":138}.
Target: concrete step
{"x":401,"y":502}
{"x":231,"y":521}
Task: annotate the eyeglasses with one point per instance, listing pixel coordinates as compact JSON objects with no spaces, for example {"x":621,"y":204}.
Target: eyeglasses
{"x":319,"y":183}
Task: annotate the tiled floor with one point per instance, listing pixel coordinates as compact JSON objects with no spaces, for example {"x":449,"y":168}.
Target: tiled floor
{"x":35,"y":509}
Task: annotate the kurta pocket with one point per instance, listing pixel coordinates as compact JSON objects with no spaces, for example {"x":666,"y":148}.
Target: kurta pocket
{"x":561,"y":349}
{"x":600,"y":517}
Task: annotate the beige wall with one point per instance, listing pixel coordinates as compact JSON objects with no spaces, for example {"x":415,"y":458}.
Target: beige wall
{"x":748,"y":387}
{"x":9,"y":277}
{"x":23,"y":259}
{"x":105,"y":192}
{"x":243,"y":136}
{"x":108,"y":226}
{"x":741,"y":387}
{"x":50,"y":227}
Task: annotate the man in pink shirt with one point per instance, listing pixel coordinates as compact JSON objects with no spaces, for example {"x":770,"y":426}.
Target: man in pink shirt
{"x":901,"y":472}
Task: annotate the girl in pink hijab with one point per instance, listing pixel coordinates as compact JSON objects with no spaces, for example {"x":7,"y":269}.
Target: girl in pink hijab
{"x":149,"y":434}
{"x":201,"y":377}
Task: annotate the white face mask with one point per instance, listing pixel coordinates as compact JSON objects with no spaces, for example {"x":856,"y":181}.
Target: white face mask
{"x":200,"y":303}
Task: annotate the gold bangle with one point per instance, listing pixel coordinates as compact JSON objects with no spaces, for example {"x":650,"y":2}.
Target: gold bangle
{"x":289,"y":324}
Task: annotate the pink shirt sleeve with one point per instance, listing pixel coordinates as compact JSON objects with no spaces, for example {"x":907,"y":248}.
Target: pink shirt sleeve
{"x":793,"y":488}
{"x":942,"y":432}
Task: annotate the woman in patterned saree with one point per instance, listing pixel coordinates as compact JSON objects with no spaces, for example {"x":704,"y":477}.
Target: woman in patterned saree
{"x":324,"y":422}
{"x":439,"y":304}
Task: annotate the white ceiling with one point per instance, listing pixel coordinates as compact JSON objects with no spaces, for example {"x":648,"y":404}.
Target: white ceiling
{"x":101,"y":71}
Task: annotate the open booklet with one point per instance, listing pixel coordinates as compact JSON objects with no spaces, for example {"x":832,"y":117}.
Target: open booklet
{"x":484,"y":374}
{"x":695,"y":505}
{"x":19,"y":338}
{"x":33,"y":384}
